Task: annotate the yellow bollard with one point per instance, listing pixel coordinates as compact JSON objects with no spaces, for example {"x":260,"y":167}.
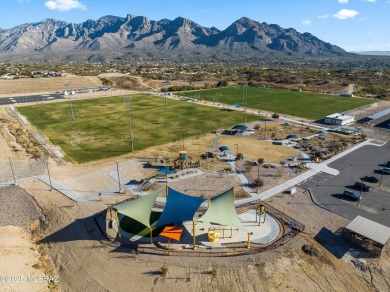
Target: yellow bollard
{"x":249,"y":240}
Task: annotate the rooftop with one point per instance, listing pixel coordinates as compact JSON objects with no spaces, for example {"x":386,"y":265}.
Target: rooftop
{"x":370,"y":229}
{"x":340,"y":116}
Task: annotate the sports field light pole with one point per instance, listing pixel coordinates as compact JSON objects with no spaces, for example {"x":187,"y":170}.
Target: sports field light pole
{"x":119,"y":178}
{"x":128,"y":99}
{"x":246,"y":93}
{"x":166,"y":90}
{"x":70,"y":100}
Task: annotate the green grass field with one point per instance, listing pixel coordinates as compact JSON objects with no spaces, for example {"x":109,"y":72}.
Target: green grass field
{"x":101,"y":126}
{"x":300,"y":104}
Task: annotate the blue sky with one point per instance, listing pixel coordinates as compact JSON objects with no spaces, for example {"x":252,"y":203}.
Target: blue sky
{"x":355,"y":25}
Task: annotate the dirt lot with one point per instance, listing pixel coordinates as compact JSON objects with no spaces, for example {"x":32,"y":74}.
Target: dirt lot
{"x":44,"y":85}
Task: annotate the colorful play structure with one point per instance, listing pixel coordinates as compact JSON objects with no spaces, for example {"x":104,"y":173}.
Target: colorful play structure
{"x":183,"y":161}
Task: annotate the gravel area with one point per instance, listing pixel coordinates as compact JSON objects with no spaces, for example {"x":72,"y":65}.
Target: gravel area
{"x":17,"y":208}
{"x":21,"y":169}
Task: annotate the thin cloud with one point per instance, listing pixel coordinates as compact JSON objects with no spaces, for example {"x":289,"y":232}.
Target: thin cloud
{"x":325,"y":16}
{"x":65,"y":5}
{"x":345,"y":14}
{"x":306,"y":22}
{"x":371,"y":1}
{"x":343,"y":1}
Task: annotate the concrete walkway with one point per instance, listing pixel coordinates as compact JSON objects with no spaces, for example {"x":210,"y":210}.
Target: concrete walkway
{"x":134,"y":188}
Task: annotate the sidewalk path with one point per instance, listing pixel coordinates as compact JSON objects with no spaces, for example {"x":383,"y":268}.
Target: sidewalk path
{"x":134,"y":187}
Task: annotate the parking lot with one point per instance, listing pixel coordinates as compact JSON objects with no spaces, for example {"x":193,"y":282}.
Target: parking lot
{"x":327,"y":190}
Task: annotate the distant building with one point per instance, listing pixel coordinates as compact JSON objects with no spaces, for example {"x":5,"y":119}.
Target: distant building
{"x":339,"y":119}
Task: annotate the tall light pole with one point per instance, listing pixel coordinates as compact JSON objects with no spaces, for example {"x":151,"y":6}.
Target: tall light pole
{"x":166,"y":89}
{"x":70,"y":101}
{"x":128,"y":99}
{"x":237,"y":148}
{"x":246,"y":93}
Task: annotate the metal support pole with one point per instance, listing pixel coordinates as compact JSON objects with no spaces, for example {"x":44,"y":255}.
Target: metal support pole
{"x":249,"y":240}
{"x":258,"y":177}
{"x":12,"y":170}
{"x":119,"y":177}
{"x":118,"y":225}
{"x":169,"y":245}
{"x":194,"y":234}
{"x":128,"y":99}
{"x":48,"y":172}
{"x":151,"y":236}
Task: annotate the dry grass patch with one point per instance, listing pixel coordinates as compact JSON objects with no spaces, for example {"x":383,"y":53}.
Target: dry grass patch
{"x":252,"y":148}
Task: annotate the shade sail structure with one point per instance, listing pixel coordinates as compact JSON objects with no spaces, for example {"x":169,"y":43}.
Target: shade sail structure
{"x":286,"y":124}
{"x":179,"y":208}
{"x":224,"y":148}
{"x":172,"y":232}
{"x":139,"y":209}
{"x":222,"y":211}
{"x":241,"y":128}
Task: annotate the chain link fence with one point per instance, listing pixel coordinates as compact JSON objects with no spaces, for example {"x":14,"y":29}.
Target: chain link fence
{"x":11,"y":170}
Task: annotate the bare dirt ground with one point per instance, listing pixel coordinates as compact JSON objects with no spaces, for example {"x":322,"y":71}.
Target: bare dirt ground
{"x":85,"y":261}
{"x":254,"y":149}
{"x":45,"y":85}
{"x":19,"y":257}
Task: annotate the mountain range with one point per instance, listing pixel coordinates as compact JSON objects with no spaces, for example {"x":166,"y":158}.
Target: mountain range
{"x":138,"y":33}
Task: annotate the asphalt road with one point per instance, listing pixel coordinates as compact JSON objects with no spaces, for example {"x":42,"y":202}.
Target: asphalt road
{"x":30,"y":98}
{"x":327,"y":190}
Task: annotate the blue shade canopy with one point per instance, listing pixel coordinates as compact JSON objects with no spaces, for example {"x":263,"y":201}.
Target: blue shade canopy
{"x":222,"y":211}
{"x":236,"y":105}
{"x":321,"y":132}
{"x":286,"y":124}
{"x":241,"y":128}
{"x":292,"y":137}
{"x":224,"y":148}
{"x":179,"y":208}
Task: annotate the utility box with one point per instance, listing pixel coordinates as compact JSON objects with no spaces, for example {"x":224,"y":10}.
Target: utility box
{"x":291,"y":191}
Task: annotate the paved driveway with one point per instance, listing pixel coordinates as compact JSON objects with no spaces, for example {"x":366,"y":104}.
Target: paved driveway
{"x":327,"y":190}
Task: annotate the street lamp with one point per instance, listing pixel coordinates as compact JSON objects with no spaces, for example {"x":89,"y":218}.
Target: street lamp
{"x":128,"y":99}
{"x":236,"y":148}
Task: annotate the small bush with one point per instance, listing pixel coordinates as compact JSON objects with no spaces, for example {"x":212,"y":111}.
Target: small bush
{"x":164,"y":271}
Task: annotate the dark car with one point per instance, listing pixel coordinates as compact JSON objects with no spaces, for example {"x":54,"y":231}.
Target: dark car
{"x":384,"y":170}
{"x":372,"y":179}
{"x":352,"y":195}
{"x":387,"y":164}
{"x":362,"y":186}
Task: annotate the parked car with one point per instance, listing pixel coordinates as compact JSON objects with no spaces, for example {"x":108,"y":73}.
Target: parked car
{"x":387,"y":164}
{"x":352,"y":195}
{"x":372,"y":179}
{"x":362,"y":186}
{"x":384,"y":170}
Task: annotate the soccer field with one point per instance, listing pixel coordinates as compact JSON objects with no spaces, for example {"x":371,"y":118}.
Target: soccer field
{"x":101,"y":126}
{"x":295,"y":103}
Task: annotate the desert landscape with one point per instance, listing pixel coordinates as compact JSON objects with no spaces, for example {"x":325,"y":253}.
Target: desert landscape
{"x":65,"y":240}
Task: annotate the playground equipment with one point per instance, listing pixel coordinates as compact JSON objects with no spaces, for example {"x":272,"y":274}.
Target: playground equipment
{"x":260,"y":210}
{"x":212,"y":236}
{"x":184,"y":161}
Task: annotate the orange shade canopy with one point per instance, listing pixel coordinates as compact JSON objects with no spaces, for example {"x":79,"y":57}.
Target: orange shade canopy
{"x":172,"y":232}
